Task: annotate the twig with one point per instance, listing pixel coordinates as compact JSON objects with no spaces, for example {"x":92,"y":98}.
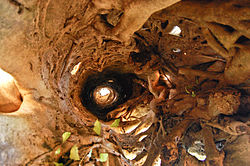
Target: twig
{"x":212,"y":41}
{"x":213,"y":156}
{"x":206,"y":74}
{"x":230,"y":129}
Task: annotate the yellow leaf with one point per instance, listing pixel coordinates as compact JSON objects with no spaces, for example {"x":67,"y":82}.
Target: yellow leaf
{"x":97,"y":127}
{"x":115,"y":123}
{"x":103,"y":157}
{"x":193,"y":94}
{"x":58,"y":164}
{"x":65,"y":136}
{"x":74,"y":153}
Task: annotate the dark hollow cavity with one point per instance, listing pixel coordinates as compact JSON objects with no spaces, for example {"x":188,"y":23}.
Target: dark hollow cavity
{"x":120,"y":84}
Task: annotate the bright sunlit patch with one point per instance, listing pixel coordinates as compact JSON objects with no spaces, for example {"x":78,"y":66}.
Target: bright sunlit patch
{"x":142,"y":137}
{"x":76,"y":68}
{"x":197,"y":150}
{"x":5,"y":77}
{"x":167,"y":80}
{"x":104,"y":96}
{"x":166,"y":77}
{"x":128,"y":155}
{"x":131,"y":128}
{"x":132,"y":155}
{"x":145,"y":128}
{"x":10,"y":97}
{"x":176,"y":31}
{"x":176,"y":50}
{"x":157,"y":161}
{"x":104,"y":91}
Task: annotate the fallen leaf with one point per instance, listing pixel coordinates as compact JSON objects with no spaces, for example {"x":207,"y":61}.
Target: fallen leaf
{"x":103,"y":157}
{"x":65,"y":136}
{"x":115,"y":123}
{"x":97,"y":127}
{"x":74,"y":153}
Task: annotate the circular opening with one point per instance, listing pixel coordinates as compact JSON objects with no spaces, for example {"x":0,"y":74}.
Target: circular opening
{"x":104,"y":95}
{"x":103,"y":92}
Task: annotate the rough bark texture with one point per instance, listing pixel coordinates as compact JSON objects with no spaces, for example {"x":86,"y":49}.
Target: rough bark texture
{"x":187,"y":87}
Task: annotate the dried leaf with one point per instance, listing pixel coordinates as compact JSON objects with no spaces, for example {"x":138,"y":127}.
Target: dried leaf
{"x":115,"y":123}
{"x":103,"y":157}
{"x":97,"y":127}
{"x":65,"y":136}
{"x":58,"y":164}
{"x":58,"y":151}
{"x":74,"y":153}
